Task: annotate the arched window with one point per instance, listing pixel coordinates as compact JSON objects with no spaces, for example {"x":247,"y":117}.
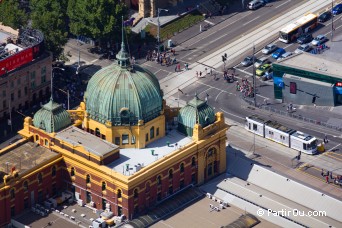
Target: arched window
{"x":88,"y":179}
{"x":211,"y":152}
{"x":119,"y":193}
{"x":40,"y":178}
{"x":104,"y":186}
{"x":193,"y":161}
{"x":159,"y":180}
{"x":181,"y":168}
{"x":25,"y":185}
{"x":147,"y":187}
{"x":170,"y":174}
{"x":53,"y":171}
{"x":72,"y":171}
{"x":136,"y":193}
{"x":12,"y":193}
{"x":152,"y":133}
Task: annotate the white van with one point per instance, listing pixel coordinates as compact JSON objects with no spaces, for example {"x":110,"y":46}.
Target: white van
{"x":255,"y":4}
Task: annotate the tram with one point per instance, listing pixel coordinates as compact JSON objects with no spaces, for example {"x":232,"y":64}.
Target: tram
{"x":281,"y":134}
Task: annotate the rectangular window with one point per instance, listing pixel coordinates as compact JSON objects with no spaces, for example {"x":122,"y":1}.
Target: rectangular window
{"x":12,"y":96}
{"x":255,"y":127}
{"x":33,"y":75}
{"x":25,"y":90}
{"x":133,"y":139}
{"x":117,"y":140}
{"x":146,"y":137}
{"x":12,"y":211}
{"x":18,"y":81}
{"x":4,"y":104}
{"x":12,"y":84}
{"x":125,"y":139}
{"x":19,"y":93}
{"x":4,"y":93}
{"x":293,"y":88}
{"x":157,"y":131}
{"x":33,"y":85}
{"x":26,"y":203}
{"x":43,"y":79}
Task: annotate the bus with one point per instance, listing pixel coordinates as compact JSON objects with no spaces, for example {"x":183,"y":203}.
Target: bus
{"x":294,"y":30}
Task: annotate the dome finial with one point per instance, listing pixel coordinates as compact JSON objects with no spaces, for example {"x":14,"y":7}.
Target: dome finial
{"x":122,"y":56}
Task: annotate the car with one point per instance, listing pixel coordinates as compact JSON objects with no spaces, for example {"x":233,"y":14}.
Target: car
{"x":305,"y":38}
{"x":303,"y":48}
{"x":261,"y":61}
{"x":278,"y":53}
{"x":269,"y":48}
{"x":268,"y":75}
{"x":285,"y":55}
{"x":337,"y":9}
{"x":255,"y":4}
{"x":248,"y":60}
{"x":263,"y":69}
{"x":324,"y":16}
{"x":320,"y":39}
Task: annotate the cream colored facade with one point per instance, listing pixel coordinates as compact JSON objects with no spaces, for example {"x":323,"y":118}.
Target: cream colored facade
{"x":149,"y":8}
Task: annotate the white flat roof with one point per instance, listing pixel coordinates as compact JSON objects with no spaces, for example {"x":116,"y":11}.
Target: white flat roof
{"x":144,"y":156}
{"x":315,"y":63}
{"x":91,"y":143}
{"x":3,"y":37}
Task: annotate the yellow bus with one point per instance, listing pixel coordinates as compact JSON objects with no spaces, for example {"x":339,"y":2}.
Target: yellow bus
{"x":302,"y":25}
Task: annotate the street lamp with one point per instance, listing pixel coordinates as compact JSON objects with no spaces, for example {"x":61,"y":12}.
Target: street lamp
{"x":159,"y":10}
{"x":52,"y":75}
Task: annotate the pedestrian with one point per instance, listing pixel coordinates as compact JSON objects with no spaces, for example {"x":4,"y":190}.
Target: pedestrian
{"x":265,"y":101}
{"x":327,"y":179}
{"x":178,"y":67}
{"x":197,"y":74}
{"x":328,"y":174}
{"x":322,"y":172}
{"x":211,"y":72}
{"x":206,"y":71}
{"x":200,"y":74}
{"x":331,"y":175}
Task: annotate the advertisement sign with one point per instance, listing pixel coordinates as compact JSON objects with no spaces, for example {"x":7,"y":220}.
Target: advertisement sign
{"x":16,"y":60}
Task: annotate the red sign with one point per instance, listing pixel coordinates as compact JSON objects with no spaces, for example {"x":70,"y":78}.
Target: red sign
{"x":16,"y":60}
{"x":338,"y":84}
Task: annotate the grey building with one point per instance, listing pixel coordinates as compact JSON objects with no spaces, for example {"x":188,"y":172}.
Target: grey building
{"x":308,"y":79}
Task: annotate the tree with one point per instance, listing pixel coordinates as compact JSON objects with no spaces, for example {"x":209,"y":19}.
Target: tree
{"x":11,"y":14}
{"x":98,"y":19}
{"x":49,"y":16}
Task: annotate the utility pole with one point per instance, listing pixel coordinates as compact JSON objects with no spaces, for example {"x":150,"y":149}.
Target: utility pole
{"x":254,"y":89}
{"x":332,"y":21}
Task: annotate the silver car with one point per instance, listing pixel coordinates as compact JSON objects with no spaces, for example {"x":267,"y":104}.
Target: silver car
{"x":320,"y":39}
{"x":269,"y":48}
{"x":260,"y":61}
{"x":248,"y":61}
{"x":303,"y":48}
{"x":285,"y":55}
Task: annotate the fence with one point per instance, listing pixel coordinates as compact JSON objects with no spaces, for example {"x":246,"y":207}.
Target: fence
{"x":293,"y":115}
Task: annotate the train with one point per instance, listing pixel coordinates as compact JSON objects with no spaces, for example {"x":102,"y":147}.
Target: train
{"x":281,"y":134}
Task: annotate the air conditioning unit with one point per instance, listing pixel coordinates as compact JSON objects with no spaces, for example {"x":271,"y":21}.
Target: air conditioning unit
{"x":107,"y":205}
{"x":80,"y":203}
{"x":92,"y":204}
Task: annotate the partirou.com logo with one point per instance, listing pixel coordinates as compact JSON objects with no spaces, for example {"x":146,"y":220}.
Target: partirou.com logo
{"x":290,"y":212}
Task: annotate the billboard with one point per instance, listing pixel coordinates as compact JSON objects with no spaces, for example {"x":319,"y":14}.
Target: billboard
{"x":14,"y":61}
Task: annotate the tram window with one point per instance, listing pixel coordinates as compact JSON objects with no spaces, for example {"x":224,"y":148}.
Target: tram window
{"x":255,"y":127}
{"x":304,"y":146}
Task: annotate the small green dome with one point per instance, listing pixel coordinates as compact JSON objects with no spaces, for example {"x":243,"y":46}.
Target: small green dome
{"x":196,"y":111}
{"x":52,"y":117}
{"x":123,"y":96}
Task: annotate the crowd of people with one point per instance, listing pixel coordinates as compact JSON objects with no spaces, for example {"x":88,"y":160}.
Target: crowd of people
{"x":245,"y":88}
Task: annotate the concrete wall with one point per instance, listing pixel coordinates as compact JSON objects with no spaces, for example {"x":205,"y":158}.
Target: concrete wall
{"x":306,"y":90}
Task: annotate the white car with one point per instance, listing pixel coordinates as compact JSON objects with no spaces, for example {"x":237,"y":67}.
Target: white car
{"x":320,"y":39}
{"x":269,"y":48}
{"x":285,"y":55}
{"x":303,"y":48}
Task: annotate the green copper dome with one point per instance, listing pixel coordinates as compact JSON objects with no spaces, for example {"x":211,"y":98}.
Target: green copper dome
{"x":52,"y":117}
{"x":123,"y":96}
{"x":196,"y":111}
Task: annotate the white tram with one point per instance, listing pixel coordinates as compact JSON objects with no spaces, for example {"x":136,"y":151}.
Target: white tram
{"x":276,"y":132}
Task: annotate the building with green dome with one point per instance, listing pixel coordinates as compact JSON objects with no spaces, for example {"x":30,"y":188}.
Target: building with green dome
{"x":52,"y":117}
{"x":196,"y":111}
{"x":124,"y":104}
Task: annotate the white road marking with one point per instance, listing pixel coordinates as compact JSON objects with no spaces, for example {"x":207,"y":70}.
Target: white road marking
{"x":232,"y":114}
{"x":335,"y":147}
{"x":282,"y":4}
{"x":250,"y":21}
{"x":93,"y":61}
{"x":243,"y":71}
{"x":209,"y":22}
{"x":204,"y":91}
{"x":218,"y":96}
{"x":223,"y":91}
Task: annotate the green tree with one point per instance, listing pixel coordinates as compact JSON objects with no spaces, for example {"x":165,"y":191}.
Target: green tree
{"x":12,"y":15}
{"x":98,"y":19}
{"x":49,"y":16}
